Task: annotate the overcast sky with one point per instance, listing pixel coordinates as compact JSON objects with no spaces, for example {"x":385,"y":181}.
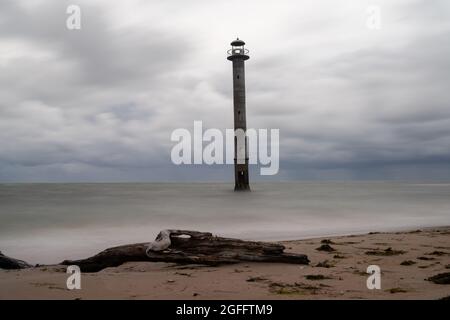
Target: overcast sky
{"x":100,"y":103}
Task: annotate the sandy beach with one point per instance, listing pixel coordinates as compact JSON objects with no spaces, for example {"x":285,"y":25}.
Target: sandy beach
{"x":406,"y":259}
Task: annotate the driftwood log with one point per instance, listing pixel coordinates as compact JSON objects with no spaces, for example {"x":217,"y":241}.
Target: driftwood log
{"x":11,"y":263}
{"x":189,"y":247}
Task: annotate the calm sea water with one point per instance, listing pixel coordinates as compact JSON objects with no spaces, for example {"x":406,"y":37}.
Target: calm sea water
{"x":47,"y":223}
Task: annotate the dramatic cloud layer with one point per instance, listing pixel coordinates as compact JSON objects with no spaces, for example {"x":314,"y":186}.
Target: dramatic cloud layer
{"x":100,"y":103}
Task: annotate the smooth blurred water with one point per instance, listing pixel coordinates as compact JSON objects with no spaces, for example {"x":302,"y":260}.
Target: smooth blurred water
{"x":47,"y":223}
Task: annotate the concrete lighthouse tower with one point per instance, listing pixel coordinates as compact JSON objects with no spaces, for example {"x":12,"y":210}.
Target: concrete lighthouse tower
{"x":238,"y":54}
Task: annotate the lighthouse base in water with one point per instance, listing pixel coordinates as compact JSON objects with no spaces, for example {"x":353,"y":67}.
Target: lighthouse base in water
{"x":241,"y":181}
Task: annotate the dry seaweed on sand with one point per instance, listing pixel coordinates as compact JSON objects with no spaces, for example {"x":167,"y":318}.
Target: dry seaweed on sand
{"x":441,"y":278}
{"x":326,"y":248}
{"x":256,"y":279}
{"x":425,"y":258}
{"x":296,"y":288}
{"x":396,"y":290}
{"x":316,"y":277}
{"x":408,"y":263}
{"x":325,"y":264}
{"x":437,"y":253}
{"x":387,"y":252}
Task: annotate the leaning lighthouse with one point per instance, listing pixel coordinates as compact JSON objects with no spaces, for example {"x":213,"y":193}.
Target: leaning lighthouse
{"x":238,"y":54}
